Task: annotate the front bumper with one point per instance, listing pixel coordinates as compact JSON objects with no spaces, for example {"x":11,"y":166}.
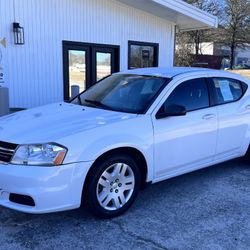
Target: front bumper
{"x":51,"y":188}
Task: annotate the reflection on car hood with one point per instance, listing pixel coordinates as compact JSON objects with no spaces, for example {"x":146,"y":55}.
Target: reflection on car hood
{"x":51,"y":122}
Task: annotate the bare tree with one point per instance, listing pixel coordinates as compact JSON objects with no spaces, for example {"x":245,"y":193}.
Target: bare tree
{"x":235,"y":30}
{"x":234,"y":26}
{"x":184,"y":49}
{"x":190,"y":42}
{"x":199,"y":36}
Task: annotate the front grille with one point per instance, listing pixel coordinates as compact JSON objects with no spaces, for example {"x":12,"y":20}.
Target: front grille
{"x":6,"y":151}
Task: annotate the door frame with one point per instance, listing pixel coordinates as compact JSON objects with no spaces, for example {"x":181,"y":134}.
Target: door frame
{"x":91,"y":49}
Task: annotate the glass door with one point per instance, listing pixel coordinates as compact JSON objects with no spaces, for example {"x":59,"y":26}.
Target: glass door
{"x":103,"y":65}
{"x":85,"y":64}
{"x":104,"y":62}
{"x":77,"y":69}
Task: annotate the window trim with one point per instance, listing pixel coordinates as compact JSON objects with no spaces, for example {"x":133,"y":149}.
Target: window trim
{"x":209,"y":83}
{"x":156,"y":51}
{"x":213,"y":94}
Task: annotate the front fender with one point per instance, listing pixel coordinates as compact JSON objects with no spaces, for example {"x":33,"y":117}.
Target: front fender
{"x":90,"y":145}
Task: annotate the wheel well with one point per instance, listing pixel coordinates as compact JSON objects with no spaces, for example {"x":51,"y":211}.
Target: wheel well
{"x":134,"y":153}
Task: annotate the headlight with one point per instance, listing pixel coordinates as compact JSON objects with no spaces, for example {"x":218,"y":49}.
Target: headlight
{"x":49,"y":154}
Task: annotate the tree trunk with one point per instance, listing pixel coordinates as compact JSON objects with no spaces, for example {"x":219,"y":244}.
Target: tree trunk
{"x":232,"y":55}
{"x":196,"y":49}
{"x":197,"y":43}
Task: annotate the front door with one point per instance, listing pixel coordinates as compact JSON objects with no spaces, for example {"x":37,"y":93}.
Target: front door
{"x":85,"y":64}
{"x":185,"y":143}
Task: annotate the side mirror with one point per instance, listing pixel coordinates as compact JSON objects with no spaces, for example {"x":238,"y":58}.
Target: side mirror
{"x":171,"y":110}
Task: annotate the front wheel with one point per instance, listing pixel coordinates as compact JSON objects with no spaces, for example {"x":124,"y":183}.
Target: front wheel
{"x":113,"y":185}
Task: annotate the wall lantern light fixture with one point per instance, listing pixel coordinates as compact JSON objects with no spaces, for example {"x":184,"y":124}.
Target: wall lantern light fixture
{"x":18,"y":34}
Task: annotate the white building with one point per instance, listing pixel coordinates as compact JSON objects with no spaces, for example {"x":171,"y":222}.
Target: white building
{"x":78,"y":42}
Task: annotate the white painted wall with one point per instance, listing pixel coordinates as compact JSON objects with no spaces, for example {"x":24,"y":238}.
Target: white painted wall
{"x":205,"y":48}
{"x":34,"y":72}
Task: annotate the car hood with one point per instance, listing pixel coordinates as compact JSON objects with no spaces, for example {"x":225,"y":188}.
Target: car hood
{"x":52,"y":122}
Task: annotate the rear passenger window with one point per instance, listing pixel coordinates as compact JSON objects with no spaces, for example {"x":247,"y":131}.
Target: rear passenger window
{"x":192,"y":94}
{"x":227,"y":90}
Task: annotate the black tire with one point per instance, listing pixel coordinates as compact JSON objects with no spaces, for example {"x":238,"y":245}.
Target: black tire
{"x":246,"y":157}
{"x":91,"y":193}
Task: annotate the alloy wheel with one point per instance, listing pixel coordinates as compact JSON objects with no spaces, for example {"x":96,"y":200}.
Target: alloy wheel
{"x":115,"y":186}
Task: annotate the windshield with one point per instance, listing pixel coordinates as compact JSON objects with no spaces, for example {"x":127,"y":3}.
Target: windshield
{"x":124,"y":93}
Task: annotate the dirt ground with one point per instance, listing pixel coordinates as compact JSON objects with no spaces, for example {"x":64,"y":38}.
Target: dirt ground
{"x":243,"y":72}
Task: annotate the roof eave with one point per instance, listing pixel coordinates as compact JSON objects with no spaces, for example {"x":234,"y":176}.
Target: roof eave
{"x":180,"y":29}
{"x":184,"y":15}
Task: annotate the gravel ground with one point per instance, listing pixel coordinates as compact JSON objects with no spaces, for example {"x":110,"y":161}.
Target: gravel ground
{"x":207,"y":209}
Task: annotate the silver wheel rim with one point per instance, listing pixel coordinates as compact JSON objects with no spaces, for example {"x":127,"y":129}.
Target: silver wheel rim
{"x":115,"y":186}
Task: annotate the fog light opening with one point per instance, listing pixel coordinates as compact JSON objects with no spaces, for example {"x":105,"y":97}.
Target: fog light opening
{"x":22,"y":199}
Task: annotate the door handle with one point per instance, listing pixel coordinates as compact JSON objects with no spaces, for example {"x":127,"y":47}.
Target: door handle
{"x":208,"y":116}
{"x":247,"y":107}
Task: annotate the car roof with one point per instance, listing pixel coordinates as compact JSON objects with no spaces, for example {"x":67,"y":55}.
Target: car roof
{"x":172,"y":71}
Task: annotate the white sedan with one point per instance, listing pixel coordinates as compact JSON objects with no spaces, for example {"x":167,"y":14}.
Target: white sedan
{"x":132,"y":128}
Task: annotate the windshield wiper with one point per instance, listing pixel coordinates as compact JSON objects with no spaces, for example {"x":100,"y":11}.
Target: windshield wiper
{"x":98,"y":104}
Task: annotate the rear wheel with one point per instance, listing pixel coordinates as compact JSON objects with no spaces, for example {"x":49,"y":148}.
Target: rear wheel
{"x":112,"y":186}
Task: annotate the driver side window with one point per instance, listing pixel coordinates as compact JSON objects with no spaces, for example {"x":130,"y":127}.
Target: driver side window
{"x":192,"y":94}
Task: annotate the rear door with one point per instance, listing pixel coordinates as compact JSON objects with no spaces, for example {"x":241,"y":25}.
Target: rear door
{"x":233,"y":115}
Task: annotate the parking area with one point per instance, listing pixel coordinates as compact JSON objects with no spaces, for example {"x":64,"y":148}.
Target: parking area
{"x":207,"y":209}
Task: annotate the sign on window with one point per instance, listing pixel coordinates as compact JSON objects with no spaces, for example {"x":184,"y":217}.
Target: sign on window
{"x":226,"y":90}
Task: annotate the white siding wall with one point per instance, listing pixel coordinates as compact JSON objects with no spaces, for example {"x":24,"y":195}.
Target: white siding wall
{"x":34,"y":71}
